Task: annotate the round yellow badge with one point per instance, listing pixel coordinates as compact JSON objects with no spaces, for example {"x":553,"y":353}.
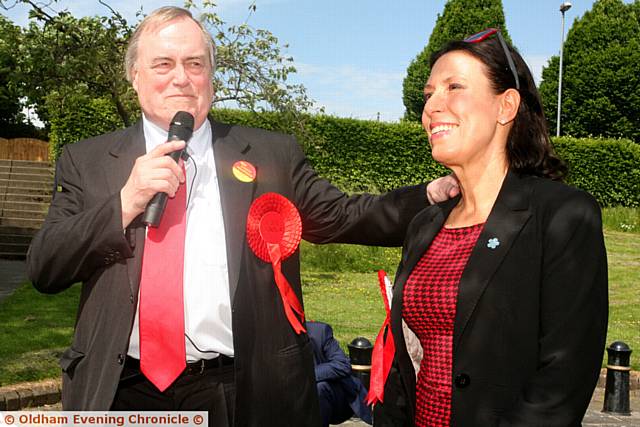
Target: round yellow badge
{"x":244,"y":171}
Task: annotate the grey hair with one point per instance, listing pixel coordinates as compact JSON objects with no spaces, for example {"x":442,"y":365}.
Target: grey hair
{"x":158,"y":17}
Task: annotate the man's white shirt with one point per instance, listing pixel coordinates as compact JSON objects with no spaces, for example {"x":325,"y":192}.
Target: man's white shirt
{"x":207,"y":304}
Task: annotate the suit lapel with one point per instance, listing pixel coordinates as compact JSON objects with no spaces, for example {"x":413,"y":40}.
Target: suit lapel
{"x":117,"y":169}
{"x":123,"y":154}
{"x":509,"y":214}
{"x":424,"y":235}
{"x":235,"y":196}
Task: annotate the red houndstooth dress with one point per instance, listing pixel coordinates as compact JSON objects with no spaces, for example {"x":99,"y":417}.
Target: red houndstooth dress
{"x":429,"y":309}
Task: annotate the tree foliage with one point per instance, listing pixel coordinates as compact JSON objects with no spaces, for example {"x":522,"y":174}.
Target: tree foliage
{"x":9,"y":103}
{"x":459,"y":19}
{"x":251,"y":68}
{"x":76,"y":115}
{"x":601,"y":76}
{"x":63,"y":54}
{"x":66,"y":61}
{"x":11,"y":117}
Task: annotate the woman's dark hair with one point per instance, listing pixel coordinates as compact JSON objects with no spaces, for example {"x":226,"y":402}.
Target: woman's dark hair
{"x":529,"y":149}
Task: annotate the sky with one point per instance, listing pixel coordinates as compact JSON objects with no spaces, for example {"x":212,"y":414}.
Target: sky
{"x":352,"y":55}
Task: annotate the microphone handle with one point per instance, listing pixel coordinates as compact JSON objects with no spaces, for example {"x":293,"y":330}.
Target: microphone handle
{"x":155,"y":208}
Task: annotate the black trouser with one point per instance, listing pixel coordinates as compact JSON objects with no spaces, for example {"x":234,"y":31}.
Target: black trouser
{"x":211,"y":389}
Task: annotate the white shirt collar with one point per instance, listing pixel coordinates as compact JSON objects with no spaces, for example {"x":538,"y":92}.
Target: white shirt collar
{"x":198,"y":145}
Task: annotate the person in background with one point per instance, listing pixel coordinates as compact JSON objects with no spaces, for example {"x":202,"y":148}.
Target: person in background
{"x":197,"y":324}
{"x":503,"y":288}
{"x":341,"y":395}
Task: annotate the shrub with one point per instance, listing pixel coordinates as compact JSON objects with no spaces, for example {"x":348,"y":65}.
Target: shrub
{"x":356,"y":155}
{"x":609,"y":169}
{"x":80,"y":116}
{"x":359,"y":155}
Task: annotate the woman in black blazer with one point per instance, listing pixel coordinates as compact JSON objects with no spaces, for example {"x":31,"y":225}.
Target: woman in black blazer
{"x":499,"y":310}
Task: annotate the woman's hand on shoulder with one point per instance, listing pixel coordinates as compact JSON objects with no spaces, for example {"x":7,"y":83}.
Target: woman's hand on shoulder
{"x":443,"y":188}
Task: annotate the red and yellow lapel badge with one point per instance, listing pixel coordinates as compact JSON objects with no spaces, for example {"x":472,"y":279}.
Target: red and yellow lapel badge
{"x":274,"y":230}
{"x":244,"y":171}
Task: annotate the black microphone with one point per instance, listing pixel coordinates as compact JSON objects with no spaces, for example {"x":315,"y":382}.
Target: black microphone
{"x":181,"y":128}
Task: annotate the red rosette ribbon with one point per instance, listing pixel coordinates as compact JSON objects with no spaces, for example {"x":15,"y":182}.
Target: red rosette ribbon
{"x":274,"y":229}
{"x":383,"y":350}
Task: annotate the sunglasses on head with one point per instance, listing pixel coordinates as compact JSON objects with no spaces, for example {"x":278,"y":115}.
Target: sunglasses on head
{"x":483,"y":35}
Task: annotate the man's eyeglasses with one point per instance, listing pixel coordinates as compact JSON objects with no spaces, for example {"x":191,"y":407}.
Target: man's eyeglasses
{"x":482,"y":35}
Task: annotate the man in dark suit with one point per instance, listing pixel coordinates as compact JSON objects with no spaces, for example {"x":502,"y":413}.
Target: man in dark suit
{"x":245,"y":364}
{"x":341,"y":395}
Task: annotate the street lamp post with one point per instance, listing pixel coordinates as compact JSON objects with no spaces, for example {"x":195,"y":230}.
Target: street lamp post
{"x":563,"y":8}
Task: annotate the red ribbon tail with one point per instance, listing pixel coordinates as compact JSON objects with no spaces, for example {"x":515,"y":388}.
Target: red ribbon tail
{"x":383,"y":350}
{"x":389,"y":352}
{"x":289,"y":299}
{"x":381,"y":361}
{"x":376,"y":384}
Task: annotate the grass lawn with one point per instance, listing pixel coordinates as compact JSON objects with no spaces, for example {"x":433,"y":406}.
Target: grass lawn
{"x":623,"y":251}
{"x":36,"y":328}
{"x":340,"y":287}
{"x":351,"y":302}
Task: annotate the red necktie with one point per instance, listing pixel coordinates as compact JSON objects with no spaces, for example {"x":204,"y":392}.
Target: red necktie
{"x":161,"y":311}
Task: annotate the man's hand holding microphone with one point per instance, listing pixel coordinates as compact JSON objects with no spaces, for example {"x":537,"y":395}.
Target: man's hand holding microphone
{"x":156,"y":175}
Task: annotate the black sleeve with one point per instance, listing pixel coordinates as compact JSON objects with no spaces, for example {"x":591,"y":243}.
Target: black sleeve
{"x":573,"y":317}
{"x":331,"y":216}
{"x":75,"y":240}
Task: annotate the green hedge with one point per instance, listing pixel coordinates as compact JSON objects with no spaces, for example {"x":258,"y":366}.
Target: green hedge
{"x":367,"y":155}
{"x":81,"y":116}
{"x":356,"y":155}
{"x":607,"y":168}
{"x":359,"y":155}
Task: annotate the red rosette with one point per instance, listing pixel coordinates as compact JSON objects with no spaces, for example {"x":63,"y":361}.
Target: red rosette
{"x":273,"y":219}
{"x":274,"y":229}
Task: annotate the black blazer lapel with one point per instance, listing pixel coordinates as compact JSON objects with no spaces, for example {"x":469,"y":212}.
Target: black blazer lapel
{"x":509,"y":214}
{"x":235,"y":196}
{"x":124,"y":153}
{"x":117,"y":169}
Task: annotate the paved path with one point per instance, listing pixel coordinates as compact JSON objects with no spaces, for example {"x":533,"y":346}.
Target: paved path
{"x":12,"y":275}
{"x":593,"y":418}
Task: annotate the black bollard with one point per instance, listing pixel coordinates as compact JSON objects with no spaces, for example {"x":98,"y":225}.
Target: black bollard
{"x":360,"y":351}
{"x":616,"y":392}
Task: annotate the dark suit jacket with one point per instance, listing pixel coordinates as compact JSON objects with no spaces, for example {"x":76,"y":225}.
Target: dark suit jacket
{"x":531,"y":315}
{"x":332,"y":365}
{"x":82,"y":241}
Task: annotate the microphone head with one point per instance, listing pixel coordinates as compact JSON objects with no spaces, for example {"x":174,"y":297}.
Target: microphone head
{"x":181,"y":126}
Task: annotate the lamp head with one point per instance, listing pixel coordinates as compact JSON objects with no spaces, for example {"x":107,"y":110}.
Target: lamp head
{"x":565,"y":6}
